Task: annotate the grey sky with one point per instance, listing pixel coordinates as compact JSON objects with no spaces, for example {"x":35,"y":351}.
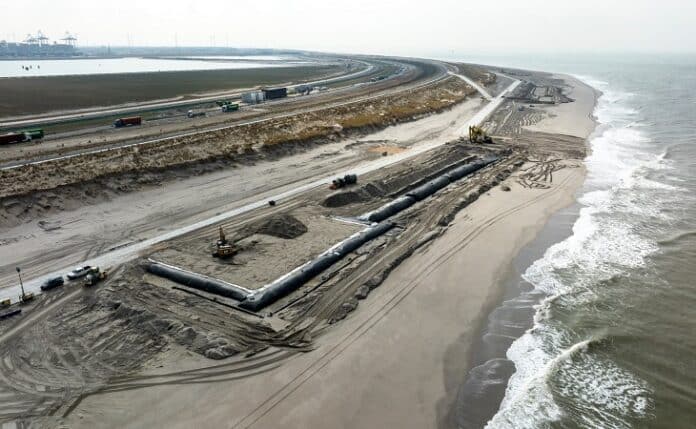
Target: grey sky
{"x":434,"y":27}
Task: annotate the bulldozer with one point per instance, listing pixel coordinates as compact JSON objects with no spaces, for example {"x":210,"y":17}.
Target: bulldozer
{"x":478,"y":135}
{"x":223,"y":249}
{"x":94,"y":276}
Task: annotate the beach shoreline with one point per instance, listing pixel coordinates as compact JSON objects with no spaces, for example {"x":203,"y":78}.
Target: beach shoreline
{"x":397,"y":360}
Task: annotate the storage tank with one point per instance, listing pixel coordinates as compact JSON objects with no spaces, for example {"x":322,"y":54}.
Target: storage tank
{"x":254,"y":97}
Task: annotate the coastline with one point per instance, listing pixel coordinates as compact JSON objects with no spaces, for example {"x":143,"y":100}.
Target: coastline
{"x":379,"y":368}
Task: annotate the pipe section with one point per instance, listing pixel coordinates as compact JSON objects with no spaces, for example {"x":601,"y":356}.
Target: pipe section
{"x":197,"y":281}
{"x":302,"y":274}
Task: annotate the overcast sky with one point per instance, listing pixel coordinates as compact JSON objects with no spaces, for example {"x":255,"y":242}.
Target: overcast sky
{"x":418,"y":28}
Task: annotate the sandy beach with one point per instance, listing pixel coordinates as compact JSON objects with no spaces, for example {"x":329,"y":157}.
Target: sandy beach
{"x":390,"y":362}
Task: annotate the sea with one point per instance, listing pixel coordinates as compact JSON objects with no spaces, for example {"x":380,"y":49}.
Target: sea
{"x":597,"y":328}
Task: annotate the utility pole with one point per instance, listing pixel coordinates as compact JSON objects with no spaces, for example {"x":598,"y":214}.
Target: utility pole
{"x":19,"y":273}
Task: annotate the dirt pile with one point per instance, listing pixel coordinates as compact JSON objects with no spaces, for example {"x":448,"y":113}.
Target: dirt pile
{"x":280,"y":225}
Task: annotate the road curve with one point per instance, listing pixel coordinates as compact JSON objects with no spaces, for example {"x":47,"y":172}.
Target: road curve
{"x":443,"y":73}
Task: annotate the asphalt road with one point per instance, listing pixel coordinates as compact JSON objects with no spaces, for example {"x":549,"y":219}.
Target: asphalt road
{"x":443,"y":73}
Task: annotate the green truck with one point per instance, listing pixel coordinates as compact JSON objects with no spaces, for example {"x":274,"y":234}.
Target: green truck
{"x":34,"y":134}
{"x":230,"y":107}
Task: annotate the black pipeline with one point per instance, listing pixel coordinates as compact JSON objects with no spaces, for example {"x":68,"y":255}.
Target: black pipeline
{"x":197,"y":281}
{"x":302,"y":274}
{"x":420,"y":193}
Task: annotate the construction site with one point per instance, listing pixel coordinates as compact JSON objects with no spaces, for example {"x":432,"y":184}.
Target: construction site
{"x":222,"y":250}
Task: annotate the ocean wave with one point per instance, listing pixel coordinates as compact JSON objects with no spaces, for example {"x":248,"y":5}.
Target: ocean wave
{"x":550,"y":362}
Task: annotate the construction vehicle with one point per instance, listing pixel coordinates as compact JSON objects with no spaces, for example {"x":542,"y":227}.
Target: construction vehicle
{"x":342,"y":182}
{"x":223,"y":249}
{"x":478,"y":135}
{"x":26,"y":297}
{"x":94,"y":276}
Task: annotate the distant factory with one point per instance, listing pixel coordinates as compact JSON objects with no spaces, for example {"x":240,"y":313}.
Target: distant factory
{"x":40,"y":46}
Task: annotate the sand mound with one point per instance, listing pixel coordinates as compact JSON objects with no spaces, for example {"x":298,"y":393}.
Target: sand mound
{"x":344,"y":198}
{"x":281,"y":226}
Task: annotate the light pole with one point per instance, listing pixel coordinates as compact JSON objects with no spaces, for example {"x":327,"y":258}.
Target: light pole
{"x":19,"y":273}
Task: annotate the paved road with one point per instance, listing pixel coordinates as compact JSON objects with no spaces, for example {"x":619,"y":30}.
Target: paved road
{"x":133,"y":251}
{"x":16,"y":164}
{"x":162,"y":105}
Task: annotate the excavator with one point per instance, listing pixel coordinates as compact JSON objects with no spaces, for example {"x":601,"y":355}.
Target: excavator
{"x":478,"y":135}
{"x":223,"y":249}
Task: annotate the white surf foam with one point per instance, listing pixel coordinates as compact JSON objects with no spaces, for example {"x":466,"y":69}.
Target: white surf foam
{"x":604,"y":244}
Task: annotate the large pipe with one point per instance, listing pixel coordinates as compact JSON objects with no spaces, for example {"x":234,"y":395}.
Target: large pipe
{"x":293,"y":280}
{"x":197,"y":281}
{"x":389,"y":209}
{"x":424,"y":191}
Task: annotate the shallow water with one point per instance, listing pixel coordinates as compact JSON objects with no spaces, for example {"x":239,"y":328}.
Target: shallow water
{"x":14,"y":68}
{"x":602,"y":328}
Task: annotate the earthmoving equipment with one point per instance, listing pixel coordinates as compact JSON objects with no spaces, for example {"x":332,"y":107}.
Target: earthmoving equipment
{"x":478,"y":135}
{"x":95,"y":276}
{"x":342,"y":182}
{"x":127,"y":122}
{"x":223,"y":249}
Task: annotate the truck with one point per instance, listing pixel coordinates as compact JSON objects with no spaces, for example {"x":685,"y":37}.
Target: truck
{"x":11,"y":138}
{"x":230,"y":107}
{"x":274,"y":93}
{"x":195,"y":113}
{"x":127,"y":122}
{"x":22,"y":136}
{"x":34,"y":134}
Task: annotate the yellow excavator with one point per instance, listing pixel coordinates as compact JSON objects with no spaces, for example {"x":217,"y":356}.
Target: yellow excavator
{"x":223,"y":249}
{"x":478,"y":135}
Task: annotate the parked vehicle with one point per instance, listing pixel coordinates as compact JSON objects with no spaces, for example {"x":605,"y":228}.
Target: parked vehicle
{"x":127,"y":122}
{"x":53,"y":283}
{"x":79,"y":272}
